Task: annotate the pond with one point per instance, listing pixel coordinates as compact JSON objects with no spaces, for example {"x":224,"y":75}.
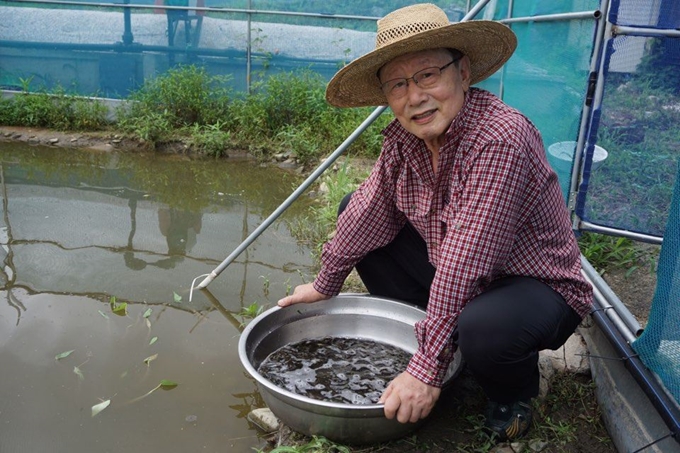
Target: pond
{"x":83,"y":229}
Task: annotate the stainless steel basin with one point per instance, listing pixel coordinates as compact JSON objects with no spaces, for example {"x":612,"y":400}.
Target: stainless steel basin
{"x":347,"y":315}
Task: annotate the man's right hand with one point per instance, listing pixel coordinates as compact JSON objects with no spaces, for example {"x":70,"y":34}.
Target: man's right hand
{"x":305,"y":294}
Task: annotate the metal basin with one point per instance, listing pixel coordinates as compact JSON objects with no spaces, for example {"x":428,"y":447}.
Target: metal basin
{"x":347,"y":315}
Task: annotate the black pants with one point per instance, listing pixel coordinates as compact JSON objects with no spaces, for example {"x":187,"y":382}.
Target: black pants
{"x":499,"y":332}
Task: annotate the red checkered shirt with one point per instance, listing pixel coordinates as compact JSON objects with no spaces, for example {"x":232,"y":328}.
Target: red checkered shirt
{"x":493,"y":209}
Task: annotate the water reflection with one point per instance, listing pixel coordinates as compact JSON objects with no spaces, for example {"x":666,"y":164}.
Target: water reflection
{"x":78,"y":228}
{"x":73,"y":221}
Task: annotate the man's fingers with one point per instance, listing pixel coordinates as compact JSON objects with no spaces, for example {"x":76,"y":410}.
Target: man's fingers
{"x":284,"y":302}
{"x":392,"y":404}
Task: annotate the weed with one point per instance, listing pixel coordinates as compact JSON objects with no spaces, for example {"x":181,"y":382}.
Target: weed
{"x":604,"y":251}
{"x":181,"y":97}
{"x":210,"y":139}
{"x":250,"y":312}
{"x":317,"y":444}
{"x":265,"y":285}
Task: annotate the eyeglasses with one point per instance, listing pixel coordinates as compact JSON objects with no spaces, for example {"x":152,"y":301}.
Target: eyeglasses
{"x":425,"y":78}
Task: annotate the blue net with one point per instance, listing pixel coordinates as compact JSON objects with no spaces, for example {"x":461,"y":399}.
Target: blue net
{"x":659,"y":344}
{"x":638,"y":186}
{"x":633,"y":144}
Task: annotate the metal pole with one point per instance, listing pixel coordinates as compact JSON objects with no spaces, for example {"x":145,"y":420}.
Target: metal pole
{"x":595,"y":14}
{"x":604,"y":292}
{"x":249,"y":49}
{"x":127,"y":23}
{"x":292,"y":197}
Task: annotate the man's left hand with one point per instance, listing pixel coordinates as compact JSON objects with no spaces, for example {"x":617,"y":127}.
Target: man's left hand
{"x":408,"y":398}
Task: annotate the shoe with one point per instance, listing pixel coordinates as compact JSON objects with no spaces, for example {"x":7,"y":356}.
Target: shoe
{"x":507,"y":422}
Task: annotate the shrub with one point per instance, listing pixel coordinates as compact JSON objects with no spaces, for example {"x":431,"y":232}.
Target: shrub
{"x":183,"y":96}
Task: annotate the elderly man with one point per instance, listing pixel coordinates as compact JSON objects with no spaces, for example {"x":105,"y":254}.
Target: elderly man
{"x":461,"y":214}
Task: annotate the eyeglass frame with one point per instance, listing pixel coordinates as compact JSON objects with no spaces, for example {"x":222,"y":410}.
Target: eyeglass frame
{"x":414,"y":77}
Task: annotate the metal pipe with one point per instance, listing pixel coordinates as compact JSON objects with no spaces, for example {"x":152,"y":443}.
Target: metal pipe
{"x":127,"y":26}
{"x":588,"y":226}
{"x":195,"y":8}
{"x":475,"y":9}
{"x":552,"y":17}
{"x":292,"y":197}
{"x":137,"y":48}
{"x":606,"y":293}
{"x":249,"y":49}
{"x":641,"y":31}
{"x":588,"y":107}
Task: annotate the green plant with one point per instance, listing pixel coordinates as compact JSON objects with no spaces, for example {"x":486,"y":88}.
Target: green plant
{"x":604,"y":251}
{"x":250,"y":312}
{"x":56,"y":110}
{"x":211,"y":139}
{"x":183,"y":96}
{"x":152,"y":126}
{"x":265,"y":285}
{"x":318,"y":227}
{"x":317,"y":444}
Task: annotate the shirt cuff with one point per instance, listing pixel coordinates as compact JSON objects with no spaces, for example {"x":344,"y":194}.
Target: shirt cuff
{"x":328,"y":283}
{"x":427,"y":370}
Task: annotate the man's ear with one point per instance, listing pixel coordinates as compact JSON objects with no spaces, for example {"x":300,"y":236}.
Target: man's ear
{"x":464,"y":70}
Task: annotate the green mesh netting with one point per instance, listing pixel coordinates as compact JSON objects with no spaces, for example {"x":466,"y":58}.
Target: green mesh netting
{"x":659,"y":345}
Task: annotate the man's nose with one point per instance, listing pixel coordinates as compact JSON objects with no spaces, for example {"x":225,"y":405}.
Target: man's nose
{"x":414,"y":93}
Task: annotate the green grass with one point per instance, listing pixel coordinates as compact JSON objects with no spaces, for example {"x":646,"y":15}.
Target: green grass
{"x":56,"y":110}
{"x":285,"y":113}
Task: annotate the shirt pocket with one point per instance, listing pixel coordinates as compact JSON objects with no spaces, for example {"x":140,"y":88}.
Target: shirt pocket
{"x":415,"y":202}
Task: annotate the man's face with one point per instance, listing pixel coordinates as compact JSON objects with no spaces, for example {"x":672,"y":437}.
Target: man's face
{"x":428,"y":112}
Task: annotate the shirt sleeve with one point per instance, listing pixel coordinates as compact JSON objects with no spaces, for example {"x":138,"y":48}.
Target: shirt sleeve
{"x":481,"y":228}
{"x":369,"y":221}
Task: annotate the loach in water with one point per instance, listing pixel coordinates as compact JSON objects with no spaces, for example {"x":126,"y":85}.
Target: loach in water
{"x":335,"y":369}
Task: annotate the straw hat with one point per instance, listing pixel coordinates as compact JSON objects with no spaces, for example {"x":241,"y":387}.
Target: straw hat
{"x":488,"y":44}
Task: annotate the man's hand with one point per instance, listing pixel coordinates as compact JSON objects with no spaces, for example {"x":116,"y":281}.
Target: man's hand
{"x":408,"y":398}
{"x":303,"y":294}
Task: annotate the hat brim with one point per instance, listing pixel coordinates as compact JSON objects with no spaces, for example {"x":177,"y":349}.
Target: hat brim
{"x":487,"y":44}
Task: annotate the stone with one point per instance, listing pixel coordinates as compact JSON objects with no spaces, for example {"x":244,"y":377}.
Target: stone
{"x":547,"y":371}
{"x":503,"y":449}
{"x":54,"y":141}
{"x":572,"y":357}
{"x":264,"y":419}
{"x":537,"y":445}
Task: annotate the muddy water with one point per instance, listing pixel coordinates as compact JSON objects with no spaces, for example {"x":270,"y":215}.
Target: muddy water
{"x":80,"y":227}
{"x":337,"y":369}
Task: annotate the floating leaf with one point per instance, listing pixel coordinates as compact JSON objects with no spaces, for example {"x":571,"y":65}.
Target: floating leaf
{"x":147,"y":313}
{"x":97,"y":408}
{"x":79,"y":373}
{"x":153,"y":340}
{"x":148,"y":323}
{"x":103,"y":314}
{"x":150,"y":358}
{"x":167,"y":385}
{"x":63,"y":355}
{"x":118,"y":308}
{"x":177,"y":297}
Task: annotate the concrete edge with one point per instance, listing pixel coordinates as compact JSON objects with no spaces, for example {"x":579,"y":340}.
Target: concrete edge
{"x":629,"y":416}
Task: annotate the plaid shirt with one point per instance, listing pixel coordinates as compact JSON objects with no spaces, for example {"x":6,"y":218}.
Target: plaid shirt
{"x":493,"y":209}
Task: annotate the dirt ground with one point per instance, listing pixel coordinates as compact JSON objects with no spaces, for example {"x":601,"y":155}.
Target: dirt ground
{"x":568,"y":420}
